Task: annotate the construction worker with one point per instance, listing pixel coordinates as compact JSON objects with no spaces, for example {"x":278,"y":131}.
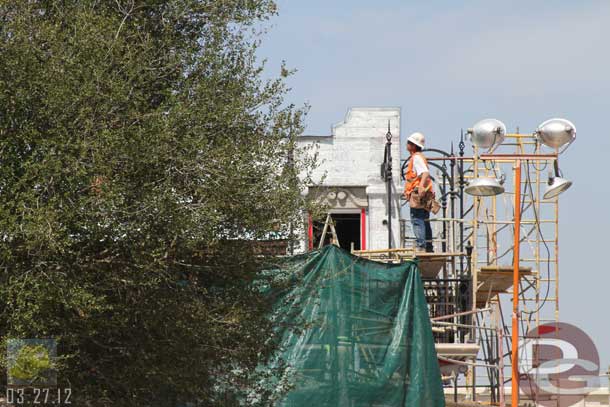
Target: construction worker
{"x":419,"y":192}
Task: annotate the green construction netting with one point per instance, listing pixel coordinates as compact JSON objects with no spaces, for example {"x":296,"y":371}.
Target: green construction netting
{"x":355,"y":333}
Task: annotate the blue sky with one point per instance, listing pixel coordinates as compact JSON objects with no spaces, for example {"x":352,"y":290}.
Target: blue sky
{"x":448,"y":64}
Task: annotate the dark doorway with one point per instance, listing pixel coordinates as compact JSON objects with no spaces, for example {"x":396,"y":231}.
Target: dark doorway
{"x":348,"y":229}
{"x":347,"y":226}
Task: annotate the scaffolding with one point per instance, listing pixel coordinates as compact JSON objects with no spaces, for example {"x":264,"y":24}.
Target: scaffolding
{"x":471,"y":285}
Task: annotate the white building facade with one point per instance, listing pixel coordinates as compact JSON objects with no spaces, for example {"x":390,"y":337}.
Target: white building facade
{"x":352,"y":187}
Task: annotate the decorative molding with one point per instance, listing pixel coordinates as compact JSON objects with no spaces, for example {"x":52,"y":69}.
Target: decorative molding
{"x":340,"y":197}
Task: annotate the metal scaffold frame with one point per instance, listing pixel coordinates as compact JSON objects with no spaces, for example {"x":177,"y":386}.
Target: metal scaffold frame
{"x":493,"y":225}
{"x":477,"y":240}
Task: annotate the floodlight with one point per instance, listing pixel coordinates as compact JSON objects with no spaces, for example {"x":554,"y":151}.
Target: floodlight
{"x":557,"y":184}
{"x":487,"y":133}
{"x":556,"y":133}
{"x":484,"y":186}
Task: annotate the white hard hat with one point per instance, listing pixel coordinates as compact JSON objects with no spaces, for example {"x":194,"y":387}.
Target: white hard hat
{"x":418,"y":139}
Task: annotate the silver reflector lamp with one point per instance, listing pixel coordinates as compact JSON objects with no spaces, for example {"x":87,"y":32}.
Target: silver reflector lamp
{"x":557,"y":184}
{"x":556,"y":133}
{"x":484,"y":186}
{"x":487,"y":133}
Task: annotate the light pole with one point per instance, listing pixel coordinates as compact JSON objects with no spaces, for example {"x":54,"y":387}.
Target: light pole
{"x":515,"y":333}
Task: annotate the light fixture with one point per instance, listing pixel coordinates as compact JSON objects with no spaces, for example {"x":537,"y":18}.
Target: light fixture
{"x":557,"y":184}
{"x":484,"y":186}
{"x":487,"y":186}
{"x":556,"y":133}
{"x":487,"y":133}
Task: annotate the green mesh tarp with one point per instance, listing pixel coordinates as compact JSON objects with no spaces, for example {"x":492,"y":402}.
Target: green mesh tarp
{"x":355,"y":333}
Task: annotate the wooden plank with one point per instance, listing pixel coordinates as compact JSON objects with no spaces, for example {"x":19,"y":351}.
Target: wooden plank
{"x":494,"y":280}
{"x":457,"y":350}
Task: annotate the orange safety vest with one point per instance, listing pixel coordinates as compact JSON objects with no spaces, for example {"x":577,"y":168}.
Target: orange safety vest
{"x":413,"y":180}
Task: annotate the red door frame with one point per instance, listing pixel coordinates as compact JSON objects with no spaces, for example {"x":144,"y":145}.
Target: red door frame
{"x":363,"y":229}
{"x":310,"y":233}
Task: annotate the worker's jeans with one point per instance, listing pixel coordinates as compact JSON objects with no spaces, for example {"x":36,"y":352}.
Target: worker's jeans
{"x":420,"y":219}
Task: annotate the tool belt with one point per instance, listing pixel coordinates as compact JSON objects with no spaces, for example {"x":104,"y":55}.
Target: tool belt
{"x":425,"y":200}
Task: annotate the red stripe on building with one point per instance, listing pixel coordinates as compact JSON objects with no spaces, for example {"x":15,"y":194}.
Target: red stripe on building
{"x":363,"y":229}
{"x":310,"y":233}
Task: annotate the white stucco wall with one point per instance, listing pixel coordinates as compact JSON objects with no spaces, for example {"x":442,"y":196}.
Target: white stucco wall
{"x":352,"y":156}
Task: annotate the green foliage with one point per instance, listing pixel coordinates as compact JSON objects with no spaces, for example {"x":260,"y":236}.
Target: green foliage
{"x":140,"y":150}
{"x":30,"y":363}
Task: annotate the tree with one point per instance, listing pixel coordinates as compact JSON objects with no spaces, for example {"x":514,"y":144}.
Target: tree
{"x":141,"y":153}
